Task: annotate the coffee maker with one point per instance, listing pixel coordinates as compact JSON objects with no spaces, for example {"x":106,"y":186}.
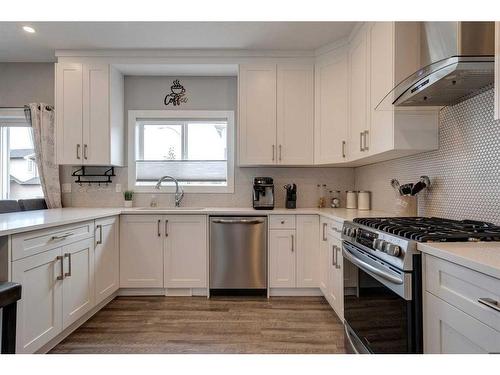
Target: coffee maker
{"x":263,"y":193}
{"x":291,"y":196}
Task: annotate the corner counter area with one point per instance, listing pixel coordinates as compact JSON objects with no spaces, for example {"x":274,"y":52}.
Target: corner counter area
{"x":79,"y":259}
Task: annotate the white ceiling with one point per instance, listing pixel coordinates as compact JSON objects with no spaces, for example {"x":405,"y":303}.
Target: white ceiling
{"x":17,"y":45}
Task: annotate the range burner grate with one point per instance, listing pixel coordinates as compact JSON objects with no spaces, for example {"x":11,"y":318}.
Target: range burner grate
{"x":434,"y":229}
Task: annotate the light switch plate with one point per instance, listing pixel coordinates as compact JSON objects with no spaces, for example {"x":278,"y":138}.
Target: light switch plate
{"x":118,"y":188}
{"x":66,"y":188}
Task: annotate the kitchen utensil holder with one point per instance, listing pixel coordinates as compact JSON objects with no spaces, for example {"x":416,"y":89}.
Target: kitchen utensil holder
{"x":407,"y":205}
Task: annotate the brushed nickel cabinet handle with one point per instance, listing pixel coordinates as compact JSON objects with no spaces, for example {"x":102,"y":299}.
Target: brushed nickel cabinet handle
{"x":166,"y":228}
{"x":61,"y":236}
{"x":78,"y":151}
{"x":68,"y":255}
{"x":337,"y":263}
{"x":159,"y":234}
{"x":99,"y":241}
{"x":273,"y":152}
{"x":280,"y":152}
{"x":361,"y":141}
{"x":61,"y":259}
{"x":365,"y":140}
{"x":85,"y":151}
{"x":343,"y":149}
{"x":293,"y":240}
{"x":333,"y":255}
{"x":490,"y":302}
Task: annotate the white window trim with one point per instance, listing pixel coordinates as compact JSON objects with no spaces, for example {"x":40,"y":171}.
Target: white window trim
{"x":135,"y":115}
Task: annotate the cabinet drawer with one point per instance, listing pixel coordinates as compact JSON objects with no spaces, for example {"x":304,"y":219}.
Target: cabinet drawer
{"x":282,"y":222}
{"x":334,"y":228}
{"x":462,"y":288}
{"x":34,"y":242}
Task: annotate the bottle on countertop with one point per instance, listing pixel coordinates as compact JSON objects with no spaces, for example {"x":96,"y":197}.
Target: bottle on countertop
{"x":334,"y":198}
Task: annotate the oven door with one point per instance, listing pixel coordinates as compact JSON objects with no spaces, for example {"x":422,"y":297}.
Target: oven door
{"x":378,"y":309}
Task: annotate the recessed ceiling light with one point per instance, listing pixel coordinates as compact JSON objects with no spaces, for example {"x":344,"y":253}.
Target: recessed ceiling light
{"x":29,"y":29}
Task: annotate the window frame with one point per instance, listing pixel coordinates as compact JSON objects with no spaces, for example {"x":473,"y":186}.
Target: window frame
{"x":171,"y":115}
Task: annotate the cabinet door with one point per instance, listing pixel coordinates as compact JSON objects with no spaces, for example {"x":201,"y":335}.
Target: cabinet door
{"x":381,"y":58}
{"x":141,"y":251}
{"x":307,"y":251}
{"x":257,"y":114}
{"x":78,"y":285}
{"x":331,"y":119}
{"x":96,"y":128}
{"x":335,"y":276}
{"x":295,"y":114}
{"x":323,"y":258}
{"x":358,"y":95}
{"x":451,"y":331}
{"x":185,"y":251}
{"x":39,"y":311}
{"x":69,"y":113}
{"x":106,"y":258}
{"x":282,"y":259}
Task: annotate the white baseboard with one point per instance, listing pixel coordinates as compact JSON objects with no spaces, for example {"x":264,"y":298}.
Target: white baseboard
{"x":141,"y":292}
{"x":168,"y":292}
{"x":294,"y":292}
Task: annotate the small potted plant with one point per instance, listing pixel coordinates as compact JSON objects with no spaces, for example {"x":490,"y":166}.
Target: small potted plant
{"x":129,"y":196}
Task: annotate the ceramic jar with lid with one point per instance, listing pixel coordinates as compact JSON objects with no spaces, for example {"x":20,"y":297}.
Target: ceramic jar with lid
{"x":351,"y":199}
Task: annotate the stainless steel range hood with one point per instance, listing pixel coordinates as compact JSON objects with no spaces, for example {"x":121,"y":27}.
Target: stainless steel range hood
{"x":457,"y":61}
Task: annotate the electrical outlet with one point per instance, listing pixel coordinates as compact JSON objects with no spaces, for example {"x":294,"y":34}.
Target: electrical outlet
{"x":118,"y":188}
{"x":66,"y":188}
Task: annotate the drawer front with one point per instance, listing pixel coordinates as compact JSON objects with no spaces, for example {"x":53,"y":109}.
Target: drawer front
{"x":462,"y":288}
{"x":35,"y":242}
{"x":334,"y":228}
{"x":282,"y":222}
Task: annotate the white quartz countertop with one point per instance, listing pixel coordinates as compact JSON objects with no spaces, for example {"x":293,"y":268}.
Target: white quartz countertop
{"x":483,"y":257}
{"x":18,"y":222}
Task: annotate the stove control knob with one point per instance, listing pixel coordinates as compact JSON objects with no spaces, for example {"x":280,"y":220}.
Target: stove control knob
{"x":393,"y":250}
{"x":378,"y":244}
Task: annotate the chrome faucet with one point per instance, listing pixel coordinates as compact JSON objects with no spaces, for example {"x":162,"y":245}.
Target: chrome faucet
{"x":179,"y":192}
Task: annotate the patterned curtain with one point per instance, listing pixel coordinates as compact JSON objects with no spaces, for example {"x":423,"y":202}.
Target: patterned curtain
{"x":42,"y":118}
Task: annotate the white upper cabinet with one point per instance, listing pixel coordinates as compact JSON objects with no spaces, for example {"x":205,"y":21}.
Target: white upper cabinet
{"x":276,"y":114}
{"x":497,"y":70}
{"x":295,"y":99}
{"x":89,"y":115}
{"x":331,"y":100}
{"x":257,"y":114}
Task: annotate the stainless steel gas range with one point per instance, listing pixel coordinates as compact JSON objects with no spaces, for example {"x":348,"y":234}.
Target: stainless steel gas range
{"x":383,"y":312}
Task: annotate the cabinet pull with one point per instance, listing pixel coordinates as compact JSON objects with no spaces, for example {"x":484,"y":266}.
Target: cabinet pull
{"x":337,"y":264}
{"x":85,"y":151}
{"x":361,"y":141}
{"x":490,"y":302}
{"x":78,"y":151}
{"x":166,"y":228}
{"x":159,"y":234}
{"x":61,"y":259}
{"x":273,"y":152}
{"x":365,"y":140}
{"x":61,"y":236}
{"x":333,"y":255}
{"x":324,"y":231}
{"x":68,"y":255}
{"x":279,"y":152}
{"x":293,"y":240}
{"x":99,"y":241}
{"x":343,"y":149}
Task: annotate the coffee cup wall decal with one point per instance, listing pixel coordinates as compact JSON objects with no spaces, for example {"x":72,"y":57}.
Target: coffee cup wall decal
{"x":177,"y":94}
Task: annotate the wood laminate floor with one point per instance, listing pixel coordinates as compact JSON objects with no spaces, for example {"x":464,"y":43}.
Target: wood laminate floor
{"x":216,"y":325}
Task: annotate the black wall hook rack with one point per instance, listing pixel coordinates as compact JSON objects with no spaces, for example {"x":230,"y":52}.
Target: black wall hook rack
{"x":84,"y":177}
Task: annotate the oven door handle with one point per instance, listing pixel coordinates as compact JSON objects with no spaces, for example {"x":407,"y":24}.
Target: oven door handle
{"x":368,"y":267}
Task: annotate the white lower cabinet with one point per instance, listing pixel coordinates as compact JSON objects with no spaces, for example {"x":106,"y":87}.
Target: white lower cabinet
{"x":294,"y":253}
{"x":323,"y":257}
{"x":78,"y":285}
{"x":335,"y":286}
{"x":158,"y":251}
{"x":185,"y":263}
{"x":141,"y":251}
{"x":106,"y":258}
{"x":39,"y":311}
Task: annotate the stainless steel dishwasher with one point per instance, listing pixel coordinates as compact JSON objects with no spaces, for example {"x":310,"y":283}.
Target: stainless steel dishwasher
{"x":238,"y":253}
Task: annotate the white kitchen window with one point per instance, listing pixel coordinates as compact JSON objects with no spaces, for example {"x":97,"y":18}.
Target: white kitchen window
{"x":195,"y":147}
{"x":19,"y":177}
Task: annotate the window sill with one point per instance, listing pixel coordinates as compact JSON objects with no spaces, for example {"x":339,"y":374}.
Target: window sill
{"x":187,"y":189}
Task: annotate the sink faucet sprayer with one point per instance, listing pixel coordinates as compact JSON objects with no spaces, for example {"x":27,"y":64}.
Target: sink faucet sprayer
{"x":179,"y":192}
